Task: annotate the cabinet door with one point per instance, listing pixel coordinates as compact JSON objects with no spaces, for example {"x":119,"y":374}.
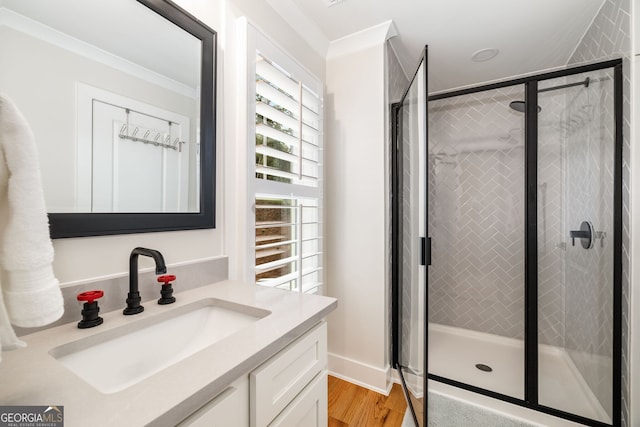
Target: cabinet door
{"x":229,"y":408}
{"x":309,"y":409}
{"x":279,"y":380}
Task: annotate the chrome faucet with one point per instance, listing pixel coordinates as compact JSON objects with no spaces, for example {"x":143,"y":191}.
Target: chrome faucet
{"x":133,"y":297}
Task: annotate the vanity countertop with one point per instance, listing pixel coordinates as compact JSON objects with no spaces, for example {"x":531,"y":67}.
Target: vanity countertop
{"x":31,"y":376}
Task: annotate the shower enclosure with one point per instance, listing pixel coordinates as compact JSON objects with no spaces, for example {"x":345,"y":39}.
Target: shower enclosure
{"x":507,"y":241}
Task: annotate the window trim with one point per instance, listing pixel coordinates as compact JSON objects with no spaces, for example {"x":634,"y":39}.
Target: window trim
{"x":256,"y":42}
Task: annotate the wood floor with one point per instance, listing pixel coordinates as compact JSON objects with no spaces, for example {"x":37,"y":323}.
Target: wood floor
{"x":351,"y":405}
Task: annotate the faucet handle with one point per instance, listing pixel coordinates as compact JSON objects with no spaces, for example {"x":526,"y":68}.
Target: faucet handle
{"x":167,"y":278}
{"x":90,"y":296}
{"x":166,"y":293}
{"x":90,"y":309}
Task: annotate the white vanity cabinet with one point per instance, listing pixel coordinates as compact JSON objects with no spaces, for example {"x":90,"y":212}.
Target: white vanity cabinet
{"x":229,"y":408}
{"x":309,"y":409}
{"x":289,"y":389}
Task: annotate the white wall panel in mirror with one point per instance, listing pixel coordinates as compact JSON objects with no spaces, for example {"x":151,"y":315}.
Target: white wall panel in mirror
{"x":133,"y":157}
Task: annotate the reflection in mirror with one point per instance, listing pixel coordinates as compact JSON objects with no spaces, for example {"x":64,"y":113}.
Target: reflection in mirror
{"x":114,"y":92}
{"x":110,"y":90}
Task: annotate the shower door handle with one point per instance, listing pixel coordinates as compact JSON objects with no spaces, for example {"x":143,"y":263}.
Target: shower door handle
{"x":425,"y":251}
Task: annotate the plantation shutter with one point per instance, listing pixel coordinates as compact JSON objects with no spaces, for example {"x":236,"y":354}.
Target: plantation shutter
{"x":288,"y":186}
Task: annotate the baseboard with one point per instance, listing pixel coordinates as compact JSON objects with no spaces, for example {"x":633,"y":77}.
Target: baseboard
{"x":367,"y":376}
{"x":395,"y":377}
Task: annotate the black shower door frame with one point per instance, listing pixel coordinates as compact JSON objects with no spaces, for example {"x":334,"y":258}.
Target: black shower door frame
{"x":425,"y":258}
{"x":531,"y":243}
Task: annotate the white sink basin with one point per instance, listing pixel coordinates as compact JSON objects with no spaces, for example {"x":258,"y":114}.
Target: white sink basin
{"x":121,"y":357}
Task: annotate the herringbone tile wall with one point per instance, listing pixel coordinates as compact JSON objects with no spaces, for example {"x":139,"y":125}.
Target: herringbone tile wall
{"x":476,"y":216}
{"x":397,"y":83}
{"x":412,"y":218}
{"x":412,"y":310}
{"x":586,"y":127}
{"x":610,"y":37}
{"x":551,"y":224}
{"x":476,"y":212}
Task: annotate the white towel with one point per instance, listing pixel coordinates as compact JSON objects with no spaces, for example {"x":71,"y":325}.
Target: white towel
{"x":30,"y":291}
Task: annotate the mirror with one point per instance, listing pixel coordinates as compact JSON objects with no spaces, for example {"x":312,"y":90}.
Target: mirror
{"x":120,"y":97}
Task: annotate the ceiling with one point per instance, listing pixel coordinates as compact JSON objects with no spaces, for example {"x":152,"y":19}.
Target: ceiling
{"x":531,"y":35}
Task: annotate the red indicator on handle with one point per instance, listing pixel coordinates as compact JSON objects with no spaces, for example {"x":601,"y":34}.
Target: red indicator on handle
{"x":167,"y":278}
{"x":90,"y":296}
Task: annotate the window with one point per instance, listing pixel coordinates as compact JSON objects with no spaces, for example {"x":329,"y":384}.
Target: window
{"x":287,"y":176}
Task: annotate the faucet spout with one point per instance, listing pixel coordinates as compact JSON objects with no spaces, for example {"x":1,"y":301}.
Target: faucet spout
{"x":133,"y":297}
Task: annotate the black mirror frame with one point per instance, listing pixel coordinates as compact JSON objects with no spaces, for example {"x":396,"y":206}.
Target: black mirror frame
{"x":100,"y":224}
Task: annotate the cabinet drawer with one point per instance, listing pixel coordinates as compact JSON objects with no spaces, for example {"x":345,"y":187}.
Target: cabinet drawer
{"x":279,"y":380}
{"x":309,"y":409}
{"x":229,"y":408}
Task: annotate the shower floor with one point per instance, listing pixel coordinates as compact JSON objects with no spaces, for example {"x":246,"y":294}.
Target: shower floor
{"x":454,"y":352}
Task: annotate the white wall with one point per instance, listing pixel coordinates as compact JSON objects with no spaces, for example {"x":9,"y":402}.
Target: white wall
{"x":355,"y":215}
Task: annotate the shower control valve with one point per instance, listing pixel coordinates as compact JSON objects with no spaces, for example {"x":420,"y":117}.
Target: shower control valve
{"x":585,"y":234}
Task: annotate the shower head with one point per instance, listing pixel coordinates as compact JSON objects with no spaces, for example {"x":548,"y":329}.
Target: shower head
{"x":519,"y":106}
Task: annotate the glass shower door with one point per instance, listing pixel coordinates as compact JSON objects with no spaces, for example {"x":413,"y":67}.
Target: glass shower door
{"x":576,"y":151}
{"x":477,"y":223}
{"x":410,"y":250}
